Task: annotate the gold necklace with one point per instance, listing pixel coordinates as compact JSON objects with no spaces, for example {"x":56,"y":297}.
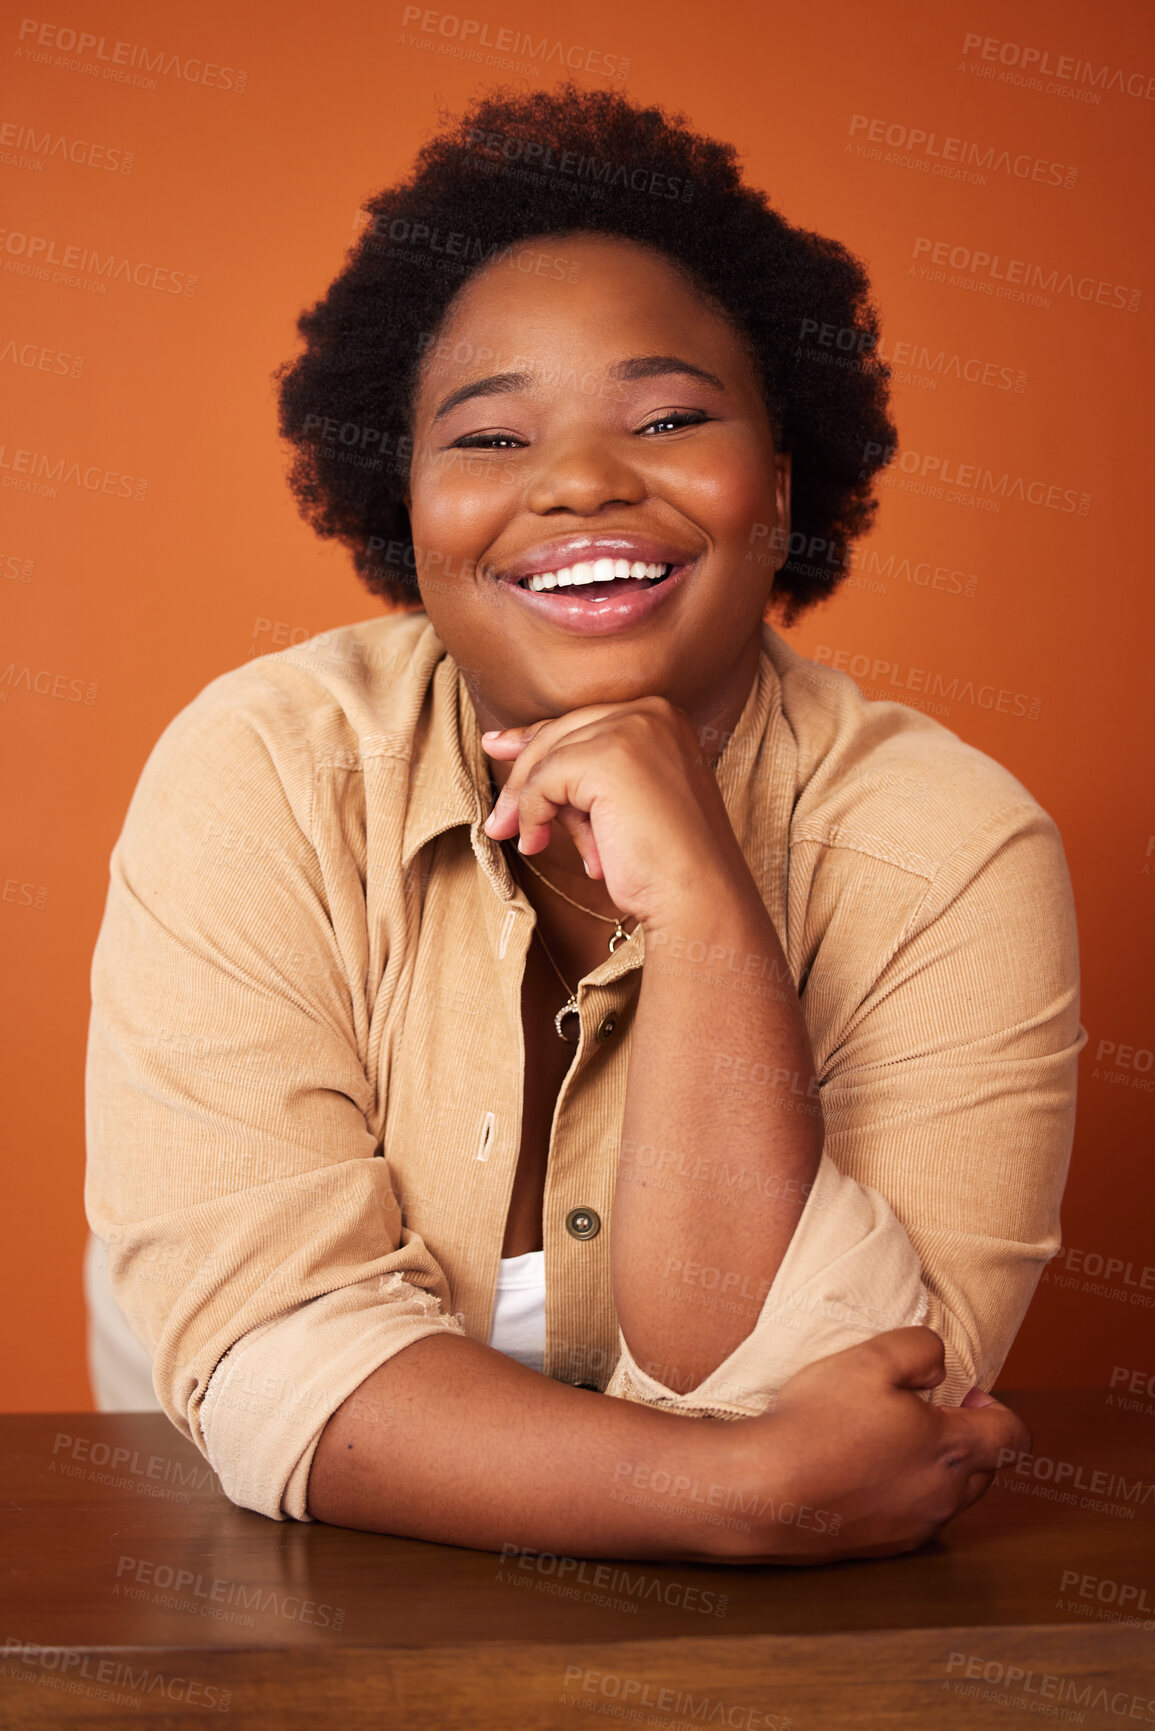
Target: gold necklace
{"x":620,"y":936}
{"x":570,"y":1007}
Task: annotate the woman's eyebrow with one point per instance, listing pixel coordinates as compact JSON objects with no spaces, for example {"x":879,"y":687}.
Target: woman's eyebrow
{"x":653,"y":366}
{"x":641,"y":367}
{"x":495,"y":385}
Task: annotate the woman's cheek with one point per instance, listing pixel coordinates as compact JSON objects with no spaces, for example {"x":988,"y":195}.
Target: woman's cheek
{"x":453,"y":524}
{"x":747,"y":482}
{"x":470,"y":492}
{"x":728,"y":498}
{"x":444,"y":511}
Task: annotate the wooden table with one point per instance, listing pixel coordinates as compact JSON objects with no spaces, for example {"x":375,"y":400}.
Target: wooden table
{"x":134,"y":1593}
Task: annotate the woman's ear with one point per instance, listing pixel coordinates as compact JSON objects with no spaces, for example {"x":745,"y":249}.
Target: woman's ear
{"x":782,"y":477}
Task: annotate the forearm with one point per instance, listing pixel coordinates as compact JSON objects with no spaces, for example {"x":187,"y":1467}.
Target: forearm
{"x":454,"y":1442}
{"x":721,"y":1135}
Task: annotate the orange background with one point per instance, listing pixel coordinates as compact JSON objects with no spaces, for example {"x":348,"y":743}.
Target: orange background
{"x":255,"y":193}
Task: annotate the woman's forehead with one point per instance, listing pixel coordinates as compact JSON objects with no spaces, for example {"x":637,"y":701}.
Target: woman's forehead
{"x":613,"y":297}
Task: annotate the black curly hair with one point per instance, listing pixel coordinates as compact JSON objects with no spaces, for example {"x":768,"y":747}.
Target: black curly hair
{"x":567,"y":161}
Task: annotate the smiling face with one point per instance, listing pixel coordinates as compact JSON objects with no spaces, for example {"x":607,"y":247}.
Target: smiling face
{"x":582,"y":404}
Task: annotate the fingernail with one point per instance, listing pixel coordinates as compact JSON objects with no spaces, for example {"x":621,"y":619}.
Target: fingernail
{"x":978,"y":1397}
{"x":492,"y":733}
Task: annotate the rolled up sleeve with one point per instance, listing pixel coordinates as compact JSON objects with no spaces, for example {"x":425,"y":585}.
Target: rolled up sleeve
{"x":849,"y":1272}
{"x":253,"y":1232}
{"x":948,"y":1103}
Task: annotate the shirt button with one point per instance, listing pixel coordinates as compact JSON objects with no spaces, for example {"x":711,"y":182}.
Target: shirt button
{"x":606,"y":1030}
{"x":582,"y":1223}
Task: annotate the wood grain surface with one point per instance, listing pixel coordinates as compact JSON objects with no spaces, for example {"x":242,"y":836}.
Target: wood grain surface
{"x":135,"y":1593}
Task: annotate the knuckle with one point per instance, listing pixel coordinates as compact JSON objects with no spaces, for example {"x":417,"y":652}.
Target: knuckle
{"x":623,"y":751}
{"x":656,"y":713}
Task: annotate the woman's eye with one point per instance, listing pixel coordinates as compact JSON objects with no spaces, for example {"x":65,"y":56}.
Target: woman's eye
{"x":675,"y":419}
{"x":487,"y":442}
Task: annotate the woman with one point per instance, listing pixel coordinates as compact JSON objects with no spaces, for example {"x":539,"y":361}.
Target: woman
{"x":577,"y":895}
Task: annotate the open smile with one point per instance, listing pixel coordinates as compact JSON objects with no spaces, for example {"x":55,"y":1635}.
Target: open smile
{"x":598,"y":584}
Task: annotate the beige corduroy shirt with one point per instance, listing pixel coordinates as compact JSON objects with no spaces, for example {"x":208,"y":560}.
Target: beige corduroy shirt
{"x":306,"y":1053}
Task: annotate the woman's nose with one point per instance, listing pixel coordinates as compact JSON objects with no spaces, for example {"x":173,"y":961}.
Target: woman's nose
{"x":582,"y":474}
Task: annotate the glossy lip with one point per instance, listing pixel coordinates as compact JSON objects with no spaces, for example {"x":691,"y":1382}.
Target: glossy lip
{"x":610,"y":613}
{"x":574,"y":549}
{"x":600,"y":618}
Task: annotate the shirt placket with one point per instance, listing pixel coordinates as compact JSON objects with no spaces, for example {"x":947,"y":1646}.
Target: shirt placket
{"x":585,"y":1132}
{"x":581,"y":1173}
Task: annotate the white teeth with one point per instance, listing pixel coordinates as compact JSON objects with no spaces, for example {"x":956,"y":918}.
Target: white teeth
{"x":600,"y":571}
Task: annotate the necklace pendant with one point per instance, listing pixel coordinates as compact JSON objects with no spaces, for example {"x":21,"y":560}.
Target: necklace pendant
{"x":619,"y":937}
{"x":570,"y":1009}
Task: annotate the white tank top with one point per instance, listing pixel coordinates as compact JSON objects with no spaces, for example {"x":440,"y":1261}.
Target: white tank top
{"x":518,"y":1327}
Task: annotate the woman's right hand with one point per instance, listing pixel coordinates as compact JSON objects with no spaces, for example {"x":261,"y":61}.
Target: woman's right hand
{"x":875,"y":1467}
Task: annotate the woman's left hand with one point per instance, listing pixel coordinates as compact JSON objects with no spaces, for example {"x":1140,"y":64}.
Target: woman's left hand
{"x":631,"y":785}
